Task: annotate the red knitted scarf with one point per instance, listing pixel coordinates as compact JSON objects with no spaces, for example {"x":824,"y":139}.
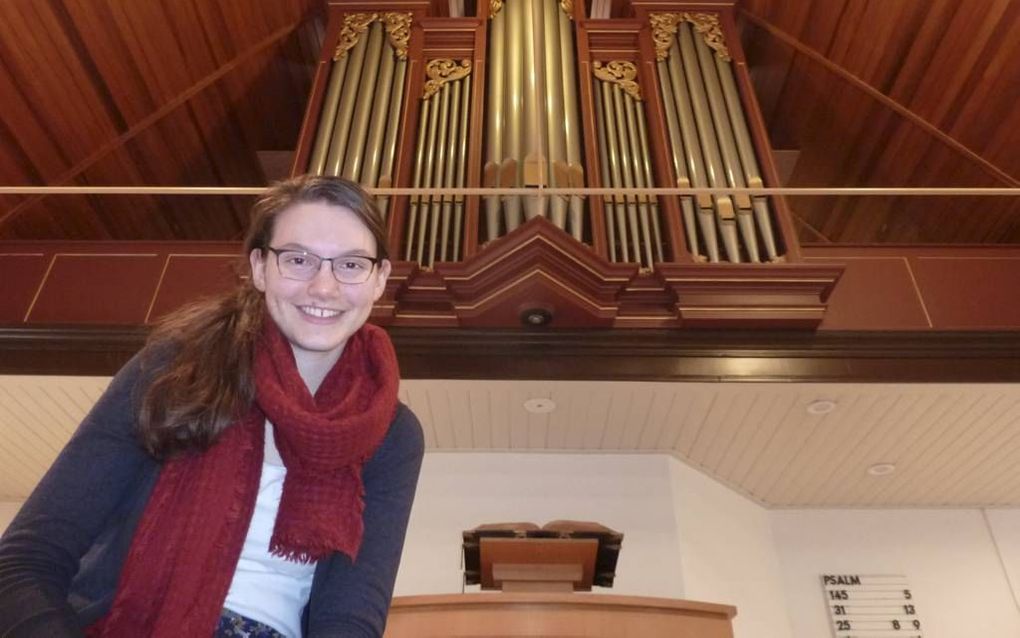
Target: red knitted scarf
{"x":185,"y":550}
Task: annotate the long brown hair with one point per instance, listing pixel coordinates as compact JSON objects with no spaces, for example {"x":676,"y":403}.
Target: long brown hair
{"x":204,"y":351}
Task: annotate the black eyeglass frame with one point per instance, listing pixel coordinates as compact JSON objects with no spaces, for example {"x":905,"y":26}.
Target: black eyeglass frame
{"x":279,"y":251}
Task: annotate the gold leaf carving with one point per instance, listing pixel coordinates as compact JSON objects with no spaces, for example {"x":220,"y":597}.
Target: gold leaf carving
{"x":665,"y":25}
{"x":398,"y":29}
{"x":707,"y":24}
{"x":568,"y":8}
{"x":355,"y":25}
{"x":442,"y":71}
{"x":619,"y":72}
{"x":494,"y":7}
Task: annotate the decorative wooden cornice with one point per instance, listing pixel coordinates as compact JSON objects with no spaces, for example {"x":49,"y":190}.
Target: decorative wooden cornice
{"x":441,"y":71}
{"x":620,"y":72}
{"x":617,"y":355}
{"x":665,"y":25}
{"x":536,"y":269}
{"x":777,"y":295}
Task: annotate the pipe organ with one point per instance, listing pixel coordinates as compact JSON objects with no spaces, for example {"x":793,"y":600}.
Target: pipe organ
{"x":710,"y":144}
{"x":535,"y":95}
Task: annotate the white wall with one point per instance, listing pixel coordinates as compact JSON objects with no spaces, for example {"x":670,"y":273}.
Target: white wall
{"x":728,"y":554}
{"x":958,"y":582}
{"x":1005,"y":528}
{"x":458,"y":491}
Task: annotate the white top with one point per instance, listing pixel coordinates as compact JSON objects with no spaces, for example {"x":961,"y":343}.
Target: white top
{"x":267,"y":588}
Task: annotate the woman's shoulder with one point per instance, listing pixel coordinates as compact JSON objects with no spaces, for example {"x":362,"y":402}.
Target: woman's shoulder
{"x":404,"y":441}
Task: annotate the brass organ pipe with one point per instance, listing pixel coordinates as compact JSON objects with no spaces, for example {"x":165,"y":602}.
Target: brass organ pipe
{"x":572,"y":123}
{"x":600,"y":128}
{"x":692,"y":152}
{"x":451,"y":168}
{"x":458,"y":209}
{"x":430,"y":154}
{"x":725,"y":215}
{"x":626,"y":168}
{"x":614,"y":169}
{"x":646,"y":166}
{"x":731,"y":158}
{"x":747,"y":156}
{"x":676,"y":148}
{"x":559,"y":173}
{"x":440,"y":169}
{"x":392,"y":126}
{"x":637,"y":171}
{"x":419,"y":163}
{"x":359,"y":128}
{"x":338,"y":143}
{"x":377,"y":127}
{"x":317,"y":160}
{"x":509,"y":169}
{"x":534,"y":169}
{"x":496,"y":123}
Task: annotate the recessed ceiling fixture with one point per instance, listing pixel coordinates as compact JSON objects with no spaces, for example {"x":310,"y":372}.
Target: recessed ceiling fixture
{"x":540,"y":406}
{"x":881,"y":469}
{"x":821,"y":406}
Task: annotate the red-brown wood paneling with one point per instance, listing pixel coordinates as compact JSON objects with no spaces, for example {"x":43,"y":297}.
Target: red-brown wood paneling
{"x":20,"y":276}
{"x":977,"y":293}
{"x":103,"y":289}
{"x":874,"y":293}
{"x":187,"y":278}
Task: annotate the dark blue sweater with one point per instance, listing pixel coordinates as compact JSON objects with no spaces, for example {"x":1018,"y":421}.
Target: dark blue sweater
{"x":61,"y":557}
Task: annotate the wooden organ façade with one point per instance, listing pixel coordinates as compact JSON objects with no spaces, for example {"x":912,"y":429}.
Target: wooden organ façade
{"x":534,"y":95}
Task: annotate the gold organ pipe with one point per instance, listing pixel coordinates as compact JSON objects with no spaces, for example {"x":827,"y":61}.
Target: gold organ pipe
{"x":419,"y":163}
{"x":430,"y":155}
{"x":713,"y":162}
{"x":392,"y":126}
{"x":730,"y":156}
{"x":646,"y":167}
{"x":692,"y":152}
{"x":559,"y":173}
{"x":377,"y":127}
{"x":440,"y":169}
{"x":614,"y":168}
{"x":607,"y":180}
{"x":495,"y":121}
{"x":534,"y":166}
{"x":317,"y":160}
{"x":355,"y":153}
{"x":451,"y":168}
{"x":572,"y":123}
{"x":626,"y":167}
{"x":637,"y":171}
{"x":338,"y":143}
{"x":747,"y":156}
{"x":676,"y":149}
{"x":458,"y":210}
{"x":513,"y":142}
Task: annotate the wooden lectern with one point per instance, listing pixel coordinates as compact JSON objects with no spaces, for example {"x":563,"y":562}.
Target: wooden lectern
{"x":562,"y":556}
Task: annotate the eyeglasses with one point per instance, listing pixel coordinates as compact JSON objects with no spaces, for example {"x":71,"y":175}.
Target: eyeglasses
{"x":303,"y":266}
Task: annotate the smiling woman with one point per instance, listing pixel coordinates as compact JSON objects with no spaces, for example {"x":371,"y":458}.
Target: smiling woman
{"x":251,"y":469}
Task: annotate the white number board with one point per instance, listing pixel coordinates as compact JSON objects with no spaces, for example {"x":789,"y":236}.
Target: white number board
{"x":871,"y":606}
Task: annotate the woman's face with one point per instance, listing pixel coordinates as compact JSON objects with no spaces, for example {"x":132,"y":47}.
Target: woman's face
{"x":318,"y":316}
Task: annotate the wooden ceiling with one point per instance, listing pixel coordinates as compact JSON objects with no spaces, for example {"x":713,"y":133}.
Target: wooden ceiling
{"x":188,"y":92}
{"x":904,"y":93}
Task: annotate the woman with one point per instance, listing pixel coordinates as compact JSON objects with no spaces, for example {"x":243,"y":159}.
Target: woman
{"x":208,"y":493}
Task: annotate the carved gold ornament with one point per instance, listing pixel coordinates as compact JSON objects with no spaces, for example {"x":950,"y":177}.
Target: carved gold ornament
{"x":622,"y":73}
{"x":568,"y":8}
{"x":442,"y":71}
{"x":398,"y":29}
{"x":495,"y":6}
{"x":665,"y":25}
{"x":355,"y":25}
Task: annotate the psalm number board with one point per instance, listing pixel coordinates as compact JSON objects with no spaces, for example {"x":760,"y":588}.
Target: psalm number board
{"x":871,"y":606}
